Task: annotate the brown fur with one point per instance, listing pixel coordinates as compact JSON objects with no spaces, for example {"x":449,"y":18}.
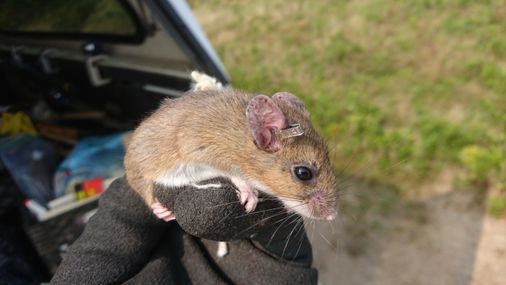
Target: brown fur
{"x":210,"y":127}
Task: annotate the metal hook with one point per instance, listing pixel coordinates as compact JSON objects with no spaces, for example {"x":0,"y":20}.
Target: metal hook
{"x":16,"y":57}
{"x":293,"y":130}
{"x":47,"y":67}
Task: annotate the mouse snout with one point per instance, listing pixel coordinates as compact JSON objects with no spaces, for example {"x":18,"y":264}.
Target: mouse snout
{"x":322,"y":205}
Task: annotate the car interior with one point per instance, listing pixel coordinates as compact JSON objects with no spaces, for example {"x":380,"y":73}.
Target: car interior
{"x":72,"y":70}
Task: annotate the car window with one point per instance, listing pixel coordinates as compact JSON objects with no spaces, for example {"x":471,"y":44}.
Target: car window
{"x":76,"y":17}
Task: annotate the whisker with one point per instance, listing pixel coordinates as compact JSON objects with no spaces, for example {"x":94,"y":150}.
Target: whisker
{"x":224,"y":218}
{"x":263,"y":220}
{"x":312,"y":233}
{"x":261,"y":200}
{"x":301,"y":239}
{"x":260,"y":212}
{"x":224,"y":204}
{"x":289,"y":237}
{"x":332,"y":227}
{"x":273,"y":209}
{"x":283,"y":197}
{"x":277,"y":229}
{"x":325,"y":239}
{"x":368,"y":164}
{"x":348,"y":163}
{"x":299,"y":231}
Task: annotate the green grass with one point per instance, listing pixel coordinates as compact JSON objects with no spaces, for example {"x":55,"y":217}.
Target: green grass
{"x":402,"y":89}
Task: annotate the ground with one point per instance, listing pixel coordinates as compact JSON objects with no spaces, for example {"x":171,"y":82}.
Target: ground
{"x":443,"y":237}
{"x":411,"y":97}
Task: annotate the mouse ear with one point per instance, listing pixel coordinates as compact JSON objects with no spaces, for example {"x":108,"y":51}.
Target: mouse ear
{"x":292,"y":100}
{"x":265,"y":119}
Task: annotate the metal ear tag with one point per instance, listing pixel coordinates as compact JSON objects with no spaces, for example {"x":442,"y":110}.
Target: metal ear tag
{"x":294,"y":130}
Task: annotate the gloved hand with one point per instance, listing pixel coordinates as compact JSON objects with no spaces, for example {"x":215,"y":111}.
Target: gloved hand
{"x":124,"y":242}
{"x":217,"y":214}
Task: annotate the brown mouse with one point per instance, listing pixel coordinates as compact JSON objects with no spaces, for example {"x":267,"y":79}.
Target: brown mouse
{"x":261,"y":143}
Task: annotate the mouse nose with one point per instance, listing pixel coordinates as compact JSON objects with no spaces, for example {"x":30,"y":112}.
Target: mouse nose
{"x":322,"y":205}
{"x":331,"y":216}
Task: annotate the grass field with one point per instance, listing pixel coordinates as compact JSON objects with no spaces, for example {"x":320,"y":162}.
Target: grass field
{"x":402,"y":90}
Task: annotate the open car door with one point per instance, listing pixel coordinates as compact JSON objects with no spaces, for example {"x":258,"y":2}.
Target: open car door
{"x":86,"y":68}
{"x":126,"y":53}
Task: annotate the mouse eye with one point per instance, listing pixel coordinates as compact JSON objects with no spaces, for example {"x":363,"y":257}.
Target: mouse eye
{"x":303,"y":173}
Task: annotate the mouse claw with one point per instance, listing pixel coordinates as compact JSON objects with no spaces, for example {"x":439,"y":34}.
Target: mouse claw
{"x":252,"y":202}
{"x":163,"y":212}
{"x":243,"y":196}
{"x":247,"y":195}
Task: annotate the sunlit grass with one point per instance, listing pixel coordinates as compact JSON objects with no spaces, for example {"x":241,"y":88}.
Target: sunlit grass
{"x":402,"y":89}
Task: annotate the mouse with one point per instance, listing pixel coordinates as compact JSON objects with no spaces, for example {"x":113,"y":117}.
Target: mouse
{"x":259,"y":142}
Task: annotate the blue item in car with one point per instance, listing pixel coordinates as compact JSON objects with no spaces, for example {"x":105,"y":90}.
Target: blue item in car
{"x":93,"y":157}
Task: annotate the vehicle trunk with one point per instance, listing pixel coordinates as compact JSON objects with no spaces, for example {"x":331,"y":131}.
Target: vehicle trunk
{"x":74,"y":85}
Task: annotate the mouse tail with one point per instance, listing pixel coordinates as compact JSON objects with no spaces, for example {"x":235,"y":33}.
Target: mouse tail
{"x":204,"y":82}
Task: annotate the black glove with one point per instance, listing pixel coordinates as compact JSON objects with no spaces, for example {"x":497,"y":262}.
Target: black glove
{"x":217,"y":214}
{"x":124,"y":242}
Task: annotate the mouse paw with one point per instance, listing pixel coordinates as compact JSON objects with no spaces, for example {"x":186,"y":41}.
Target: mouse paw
{"x":247,"y":195}
{"x":163,"y":212}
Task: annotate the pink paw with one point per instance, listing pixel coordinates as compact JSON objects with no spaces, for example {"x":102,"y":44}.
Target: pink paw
{"x":247,"y":195}
{"x":162,"y":212}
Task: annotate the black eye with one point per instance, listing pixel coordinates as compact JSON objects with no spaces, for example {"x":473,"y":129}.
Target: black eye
{"x":303,"y":173}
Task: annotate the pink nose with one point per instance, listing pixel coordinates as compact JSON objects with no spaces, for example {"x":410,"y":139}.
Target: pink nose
{"x":321,"y":205}
{"x":317,"y":198}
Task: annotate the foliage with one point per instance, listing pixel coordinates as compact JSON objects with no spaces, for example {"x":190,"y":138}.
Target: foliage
{"x":401,"y":89}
